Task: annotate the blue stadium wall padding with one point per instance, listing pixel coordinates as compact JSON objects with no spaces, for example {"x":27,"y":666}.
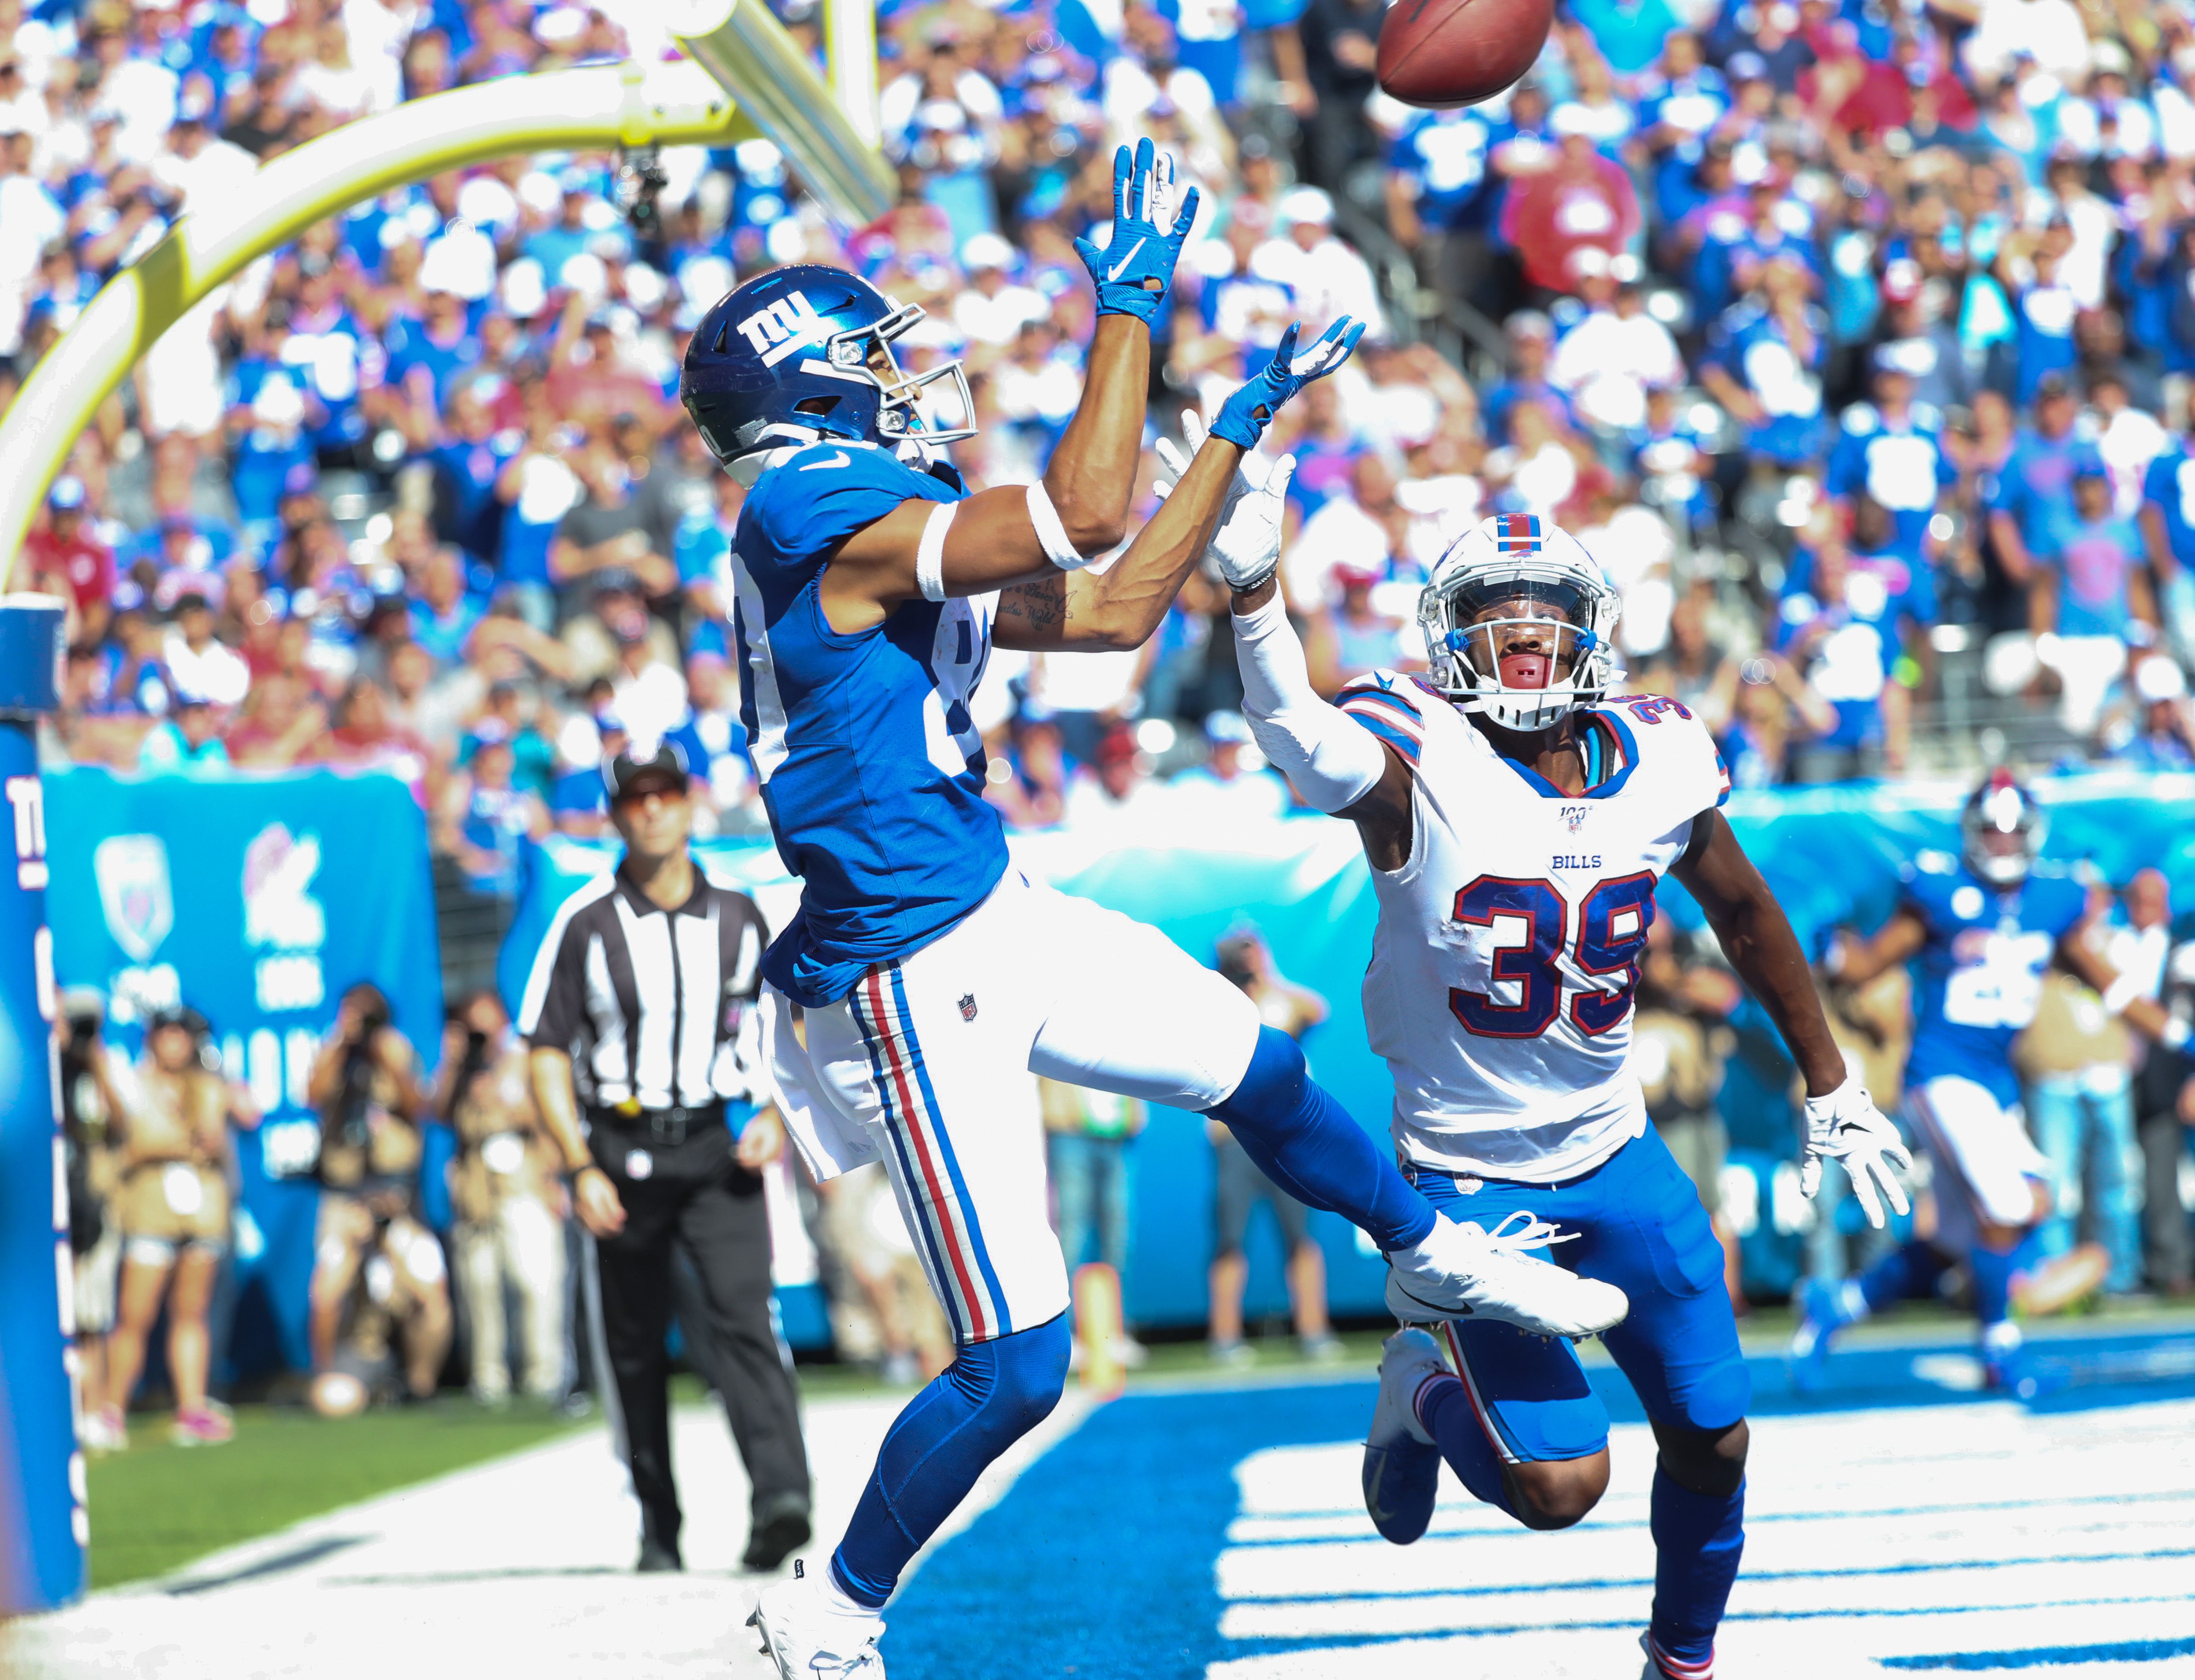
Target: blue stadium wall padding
{"x":1831,"y":853}
{"x":256,"y":901}
{"x":42,"y":1519}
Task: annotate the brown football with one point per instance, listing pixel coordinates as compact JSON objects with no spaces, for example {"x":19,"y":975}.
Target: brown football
{"x":1443,"y":52}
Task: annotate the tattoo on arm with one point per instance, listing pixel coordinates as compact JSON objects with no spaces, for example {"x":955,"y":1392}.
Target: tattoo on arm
{"x":1042,"y":605}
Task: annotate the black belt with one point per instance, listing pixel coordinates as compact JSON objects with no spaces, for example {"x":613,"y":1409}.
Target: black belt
{"x":667,"y":1126}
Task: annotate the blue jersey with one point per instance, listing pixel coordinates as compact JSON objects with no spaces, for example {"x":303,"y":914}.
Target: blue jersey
{"x":870,"y":766}
{"x":1979,"y":975}
{"x":2169,"y":486}
{"x":1900,"y":463}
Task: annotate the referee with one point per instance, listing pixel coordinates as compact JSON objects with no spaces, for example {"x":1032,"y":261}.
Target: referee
{"x":638,"y":1013}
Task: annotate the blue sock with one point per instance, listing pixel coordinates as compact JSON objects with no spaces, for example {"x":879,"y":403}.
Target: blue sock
{"x":1698,"y":1538}
{"x":1306,"y":1142}
{"x":1992,"y":1273}
{"x":987,"y":1399}
{"x":1900,"y":1275}
{"x":1446,"y":1412}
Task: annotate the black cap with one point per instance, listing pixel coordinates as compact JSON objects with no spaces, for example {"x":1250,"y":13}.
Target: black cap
{"x":637,"y":768}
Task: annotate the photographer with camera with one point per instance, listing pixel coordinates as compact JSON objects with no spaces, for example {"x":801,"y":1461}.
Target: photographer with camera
{"x":167,"y":1125}
{"x":374,"y":1264}
{"x":95,"y":1237}
{"x":508,"y":1200}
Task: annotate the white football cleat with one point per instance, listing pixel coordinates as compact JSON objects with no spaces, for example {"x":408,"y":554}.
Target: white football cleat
{"x":1401,"y":1465}
{"x":807,"y":1640}
{"x":1462,"y":1271}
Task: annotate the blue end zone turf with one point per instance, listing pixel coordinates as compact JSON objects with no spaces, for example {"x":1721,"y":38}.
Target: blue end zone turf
{"x":1104,"y":1560}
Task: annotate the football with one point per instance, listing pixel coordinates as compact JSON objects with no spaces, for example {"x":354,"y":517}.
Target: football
{"x":1444,"y":53}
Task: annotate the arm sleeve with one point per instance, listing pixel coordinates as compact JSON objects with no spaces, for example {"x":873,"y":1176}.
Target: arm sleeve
{"x":1329,"y":760}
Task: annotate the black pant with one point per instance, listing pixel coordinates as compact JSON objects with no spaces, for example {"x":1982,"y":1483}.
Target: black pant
{"x":696,"y":1195}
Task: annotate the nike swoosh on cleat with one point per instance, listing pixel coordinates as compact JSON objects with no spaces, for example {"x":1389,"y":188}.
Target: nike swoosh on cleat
{"x":1465,"y":1311}
{"x":842,"y":459}
{"x":1122,"y":267}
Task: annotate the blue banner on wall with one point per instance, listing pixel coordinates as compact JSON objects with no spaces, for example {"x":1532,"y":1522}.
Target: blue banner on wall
{"x":1832,"y":854}
{"x":256,"y":902}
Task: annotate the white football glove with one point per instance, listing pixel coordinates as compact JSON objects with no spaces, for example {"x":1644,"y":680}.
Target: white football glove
{"x":1247,"y":542}
{"x":1846,"y":1127}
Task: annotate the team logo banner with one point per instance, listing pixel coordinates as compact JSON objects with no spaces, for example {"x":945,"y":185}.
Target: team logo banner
{"x":257,"y":902}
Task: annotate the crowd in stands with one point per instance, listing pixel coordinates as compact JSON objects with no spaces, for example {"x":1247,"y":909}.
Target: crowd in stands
{"x":1855,"y":341}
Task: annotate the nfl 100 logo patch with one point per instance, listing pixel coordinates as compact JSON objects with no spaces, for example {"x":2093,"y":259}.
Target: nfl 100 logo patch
{"x":968,"y":1007}
{"x":1574,"y":816}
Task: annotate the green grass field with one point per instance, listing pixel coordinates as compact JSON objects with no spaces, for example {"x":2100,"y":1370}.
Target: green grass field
{"x":156,"y":1507}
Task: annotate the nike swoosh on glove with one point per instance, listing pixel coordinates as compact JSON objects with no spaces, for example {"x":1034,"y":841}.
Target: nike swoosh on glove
{"x":1244,"y":416}
{"x":1135,"y":268}
{"x":1246,"y":543}
{"x":1846,"y":1127}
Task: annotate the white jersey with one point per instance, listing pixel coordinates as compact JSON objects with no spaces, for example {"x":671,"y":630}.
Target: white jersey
{"x":1502,"y":970}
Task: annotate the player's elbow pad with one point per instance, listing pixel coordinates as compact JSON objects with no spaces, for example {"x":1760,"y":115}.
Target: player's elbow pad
{"x":1330,"y":760}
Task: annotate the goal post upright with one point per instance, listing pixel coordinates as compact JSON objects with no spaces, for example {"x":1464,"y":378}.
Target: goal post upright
{"x":744,"y":76}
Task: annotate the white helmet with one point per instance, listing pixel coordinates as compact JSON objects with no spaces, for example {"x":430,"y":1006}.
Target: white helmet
{"x":1519,"y":557}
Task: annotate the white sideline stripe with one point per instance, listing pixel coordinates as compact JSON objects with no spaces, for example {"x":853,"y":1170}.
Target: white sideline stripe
{"x":1924,"y":1515}
{"x":1373,"y":1569}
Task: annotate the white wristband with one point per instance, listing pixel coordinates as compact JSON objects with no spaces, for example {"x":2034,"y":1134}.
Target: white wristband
{"x":1051,"y":534}
{"x":930,"y":552}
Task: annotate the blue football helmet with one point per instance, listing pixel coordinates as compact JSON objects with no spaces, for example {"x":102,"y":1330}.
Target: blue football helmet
{"x":2001,"y":830}
{"x":803,"y":353}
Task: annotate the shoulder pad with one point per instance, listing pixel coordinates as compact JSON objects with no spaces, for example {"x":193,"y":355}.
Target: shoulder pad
{"x":1859,"y":419}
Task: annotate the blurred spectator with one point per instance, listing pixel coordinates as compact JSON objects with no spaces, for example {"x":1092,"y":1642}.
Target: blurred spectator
{"x":508,"y":1202}
{"x":375,"y":1265}
{"x":2075,"y":1060}
{"x":90,"y":1136}
{"x":2156,"y":965}
{"x":1294,"y":1010}
{"x":167,"y":1120}
{"x":2085,"y":594}
{"x":2162,"y":735}
{"x":186,"y":741}
{"x":1086,"y":1135}
{"x":890,"y":1315}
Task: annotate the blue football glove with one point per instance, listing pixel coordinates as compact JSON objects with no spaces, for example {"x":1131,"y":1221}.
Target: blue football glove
{"x":1244,"y":416}
{"x":1134,"y":270}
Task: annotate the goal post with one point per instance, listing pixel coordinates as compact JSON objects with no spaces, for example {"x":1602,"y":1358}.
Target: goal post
{"x":743,"y":78}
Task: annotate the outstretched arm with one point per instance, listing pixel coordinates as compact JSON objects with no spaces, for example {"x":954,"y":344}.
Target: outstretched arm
{"x":1079,"y":509}
{"x":1120,"y":607}
{"x":1337,"y":764}
{"x":1841,"y":1122}
{"x":1757,"y":937}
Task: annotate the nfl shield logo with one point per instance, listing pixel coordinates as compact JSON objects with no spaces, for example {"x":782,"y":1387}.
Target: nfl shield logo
{"x":968,"y":1008}
{"x":134,"y":893}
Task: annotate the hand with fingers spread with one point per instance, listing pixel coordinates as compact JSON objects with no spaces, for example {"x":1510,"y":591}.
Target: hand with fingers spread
{"x":1245,"y":415}
{"x":1846,"y":1127}
{"x":1247,"y":541}
{"x":1134,"y":270}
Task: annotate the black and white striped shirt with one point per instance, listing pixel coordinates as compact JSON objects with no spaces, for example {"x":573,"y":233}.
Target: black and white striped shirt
{"x":653,"y":1006}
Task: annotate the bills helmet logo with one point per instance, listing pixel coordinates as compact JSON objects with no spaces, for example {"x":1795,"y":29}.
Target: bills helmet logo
{"x":968,"y":1007}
